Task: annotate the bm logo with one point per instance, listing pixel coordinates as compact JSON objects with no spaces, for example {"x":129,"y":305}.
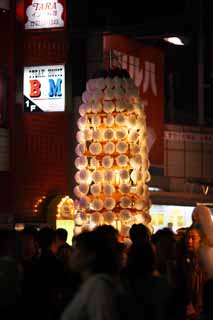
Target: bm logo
{"x":54,"y":88}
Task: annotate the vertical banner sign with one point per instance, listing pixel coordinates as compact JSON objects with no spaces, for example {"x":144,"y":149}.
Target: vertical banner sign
{"x":146,"y":67}
{"x":44,"y":14}
{"x":44,"y":88}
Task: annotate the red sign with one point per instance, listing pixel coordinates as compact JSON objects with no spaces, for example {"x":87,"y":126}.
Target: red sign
{"x":146,"y":66}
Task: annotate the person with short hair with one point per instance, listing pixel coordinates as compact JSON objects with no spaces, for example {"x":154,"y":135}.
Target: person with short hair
{"x":95,"y":257}
{"x":139,"y":233}
{"x":194,"y":276}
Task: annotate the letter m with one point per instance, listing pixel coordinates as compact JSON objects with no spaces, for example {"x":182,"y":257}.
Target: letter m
{"x":55,"y":89}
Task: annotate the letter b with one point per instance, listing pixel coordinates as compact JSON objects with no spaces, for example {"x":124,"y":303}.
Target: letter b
{"x":35,"y":86}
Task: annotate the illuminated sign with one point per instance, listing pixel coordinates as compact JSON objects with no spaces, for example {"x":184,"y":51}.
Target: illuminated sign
{"x":188,"y":137}
{"x":145,"y":66}
{"x":45,"y":14}
{"x":178,"y":216}
{"x":44,"y":88}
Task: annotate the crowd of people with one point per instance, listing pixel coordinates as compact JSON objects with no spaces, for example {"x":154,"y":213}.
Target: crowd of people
{"x":156,"y":277}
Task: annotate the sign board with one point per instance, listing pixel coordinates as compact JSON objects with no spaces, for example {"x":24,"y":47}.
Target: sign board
{"x":42,"y":14}
{"x":146,"y":67}
{"x":178,"y":216}
{"x":188,"y":137}
{"x":44,"y":88}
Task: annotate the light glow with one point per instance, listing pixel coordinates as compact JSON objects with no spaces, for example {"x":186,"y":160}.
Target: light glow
{"x":174,"y":40}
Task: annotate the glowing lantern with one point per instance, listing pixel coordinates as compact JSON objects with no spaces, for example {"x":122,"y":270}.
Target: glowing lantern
{"x":113,"y":163}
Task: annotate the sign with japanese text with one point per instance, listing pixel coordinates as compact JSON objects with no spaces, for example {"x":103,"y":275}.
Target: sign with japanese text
{"x":44,"y":14}
{"x":178,"y":216}
{"x":44,"y":88}
{"x":188,"y":137}
{"x":146,"y":66}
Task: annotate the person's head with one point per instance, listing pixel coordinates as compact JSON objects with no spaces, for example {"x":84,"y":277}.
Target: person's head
{"x":93,"y":253}
{"x":108,"y":231}
{"x":165,"y":242}
{"x":29,"y":242}
{"x":193,"y":239}
{"x":61,"y":234}
{"x":139,"y":233}
{"x":46,"y":238}
{"x":170,"y":225}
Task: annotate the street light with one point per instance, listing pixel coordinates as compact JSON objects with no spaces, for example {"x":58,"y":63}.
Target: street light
{"x":175,"y":40}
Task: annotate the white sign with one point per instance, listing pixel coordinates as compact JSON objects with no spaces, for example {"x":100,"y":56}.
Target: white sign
{"x":178,"y":216}
{"x":188,"y":136}
{"x":44,"y":88}
{"x":44,"y":14}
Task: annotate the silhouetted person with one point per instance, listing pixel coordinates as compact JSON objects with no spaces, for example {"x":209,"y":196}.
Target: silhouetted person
{"x":64,"y":253}
{"x":63,"y":249}
{"x":193,"y":276}
{"x":149,"y":293}
{"x":139,"y":233}
{"x":10,"y":275}
{"x":96,"y":259}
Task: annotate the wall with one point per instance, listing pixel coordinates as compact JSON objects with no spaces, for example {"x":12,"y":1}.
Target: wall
{"x":41,"y":141}
{"x":188,"y":156}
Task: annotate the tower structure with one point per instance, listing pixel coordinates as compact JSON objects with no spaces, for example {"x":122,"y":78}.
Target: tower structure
{"x":112,"y":155}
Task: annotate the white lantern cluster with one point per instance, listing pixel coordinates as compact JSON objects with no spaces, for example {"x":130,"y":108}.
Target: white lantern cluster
{"x":112,"y":156}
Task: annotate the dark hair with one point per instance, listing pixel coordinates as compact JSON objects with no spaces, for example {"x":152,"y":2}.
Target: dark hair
{"x":162,"y":235}
{"x":46,"y":237}
{"x":193,"y":227}
{"x":139,"y":233}
{"x":108,"y":231}
{"x":106,"y":258}
{"x":61,"y":234}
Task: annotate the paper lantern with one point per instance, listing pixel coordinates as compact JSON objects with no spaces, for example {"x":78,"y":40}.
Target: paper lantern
{"x":108,"y":189}
{"x":95,"y":189}
{"x":109,"y":217}
{"x":109,"y":203}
